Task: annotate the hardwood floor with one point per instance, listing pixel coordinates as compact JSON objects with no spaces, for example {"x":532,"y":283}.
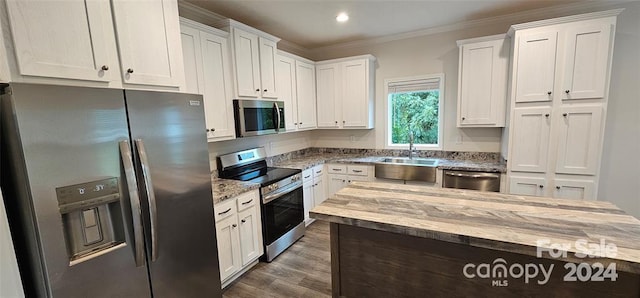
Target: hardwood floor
{"x":303,"y":270}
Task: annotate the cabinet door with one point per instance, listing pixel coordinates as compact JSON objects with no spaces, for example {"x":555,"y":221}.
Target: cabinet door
{"x":286,"y":80}
{"x":192,"y":57}
{"x":355,"y":109}
{"x":218,"y":98}
{"x":579,"y":140}
{"x":586,"y":60}
{"x":530,"y":143}
{"x":307,"y":196}
{"x":536,"y":66}
{"x":319,"y":191}
{"x":526,"y":186}
{"x":483,"y":83}
{"x":574,"y":189}
{"x":149,"y":56}
{"x":250,"y":227}
{"x":63,"y":39}
{"x":228,"y":246}
{"x":306,"y":94}
{"x":336,"y":183}
{"x":268,"y":50}
{"x":329,"y":90}
{"x":247,"y":63}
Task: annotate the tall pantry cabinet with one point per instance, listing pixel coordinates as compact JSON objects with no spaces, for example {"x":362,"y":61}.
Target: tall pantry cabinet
{"x":559,"y":90}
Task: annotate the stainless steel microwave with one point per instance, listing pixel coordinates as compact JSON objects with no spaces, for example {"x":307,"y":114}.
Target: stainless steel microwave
{"x":258,"y":117}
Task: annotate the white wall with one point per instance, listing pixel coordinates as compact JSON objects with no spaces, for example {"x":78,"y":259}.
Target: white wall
{"x":430,"y":54}
{"x":273,"y":144}
{"x":620,"y":169}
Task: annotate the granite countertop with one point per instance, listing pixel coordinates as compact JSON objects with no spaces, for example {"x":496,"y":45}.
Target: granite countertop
{"x":310,"y":161}
{"x":489,"y":220}
{"x":224,"y":189}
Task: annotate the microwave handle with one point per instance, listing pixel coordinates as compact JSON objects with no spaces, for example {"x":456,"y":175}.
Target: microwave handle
{"x":277,"y":110}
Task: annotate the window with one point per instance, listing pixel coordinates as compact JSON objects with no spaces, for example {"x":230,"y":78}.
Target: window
{"x":415,"y":106}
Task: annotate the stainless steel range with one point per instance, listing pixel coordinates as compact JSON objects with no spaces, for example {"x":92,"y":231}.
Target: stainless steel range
{"x":281,"y":205}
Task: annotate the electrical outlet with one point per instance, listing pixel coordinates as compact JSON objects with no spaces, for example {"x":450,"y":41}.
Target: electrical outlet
{"x":353,"y":138}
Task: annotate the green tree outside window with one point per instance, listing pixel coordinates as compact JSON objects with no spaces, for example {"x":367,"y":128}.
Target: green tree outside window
{"x":415,"y":111}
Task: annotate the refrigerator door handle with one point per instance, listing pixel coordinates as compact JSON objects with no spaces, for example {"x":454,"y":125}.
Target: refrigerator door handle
{"x":142,"y":155}
{"x":134,"y":198}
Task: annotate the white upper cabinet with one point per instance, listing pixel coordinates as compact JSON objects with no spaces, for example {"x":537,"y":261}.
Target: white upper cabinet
{"x":286,"y":81}
{"x":531,"y":129}
{"x":586,"y":61}
{"x":346,"y":92}
{"x":579,"y":140}
{"x":64,"y":39}
{"x":268,"y":50}
{"x":536,"y":63}
{"x":254,"y":60}
{"x":148,"y":33}
{"x":306,"y":94}
{"x":328,"y":94}
{"x":130,"y":44}
{"x":482,"y":81}
{"x":208,"y":72}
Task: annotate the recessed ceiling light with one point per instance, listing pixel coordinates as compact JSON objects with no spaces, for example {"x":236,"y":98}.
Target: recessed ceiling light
{"x":342,"y":17}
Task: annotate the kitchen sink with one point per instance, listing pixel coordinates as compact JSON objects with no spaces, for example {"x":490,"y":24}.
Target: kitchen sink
{"x":410,"y":169}
{"x":412,"y":161}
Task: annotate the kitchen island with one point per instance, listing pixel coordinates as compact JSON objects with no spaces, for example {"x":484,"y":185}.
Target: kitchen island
{"x":392,"y":240}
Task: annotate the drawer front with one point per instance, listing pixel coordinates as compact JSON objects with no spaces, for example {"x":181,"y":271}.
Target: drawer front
{"x":358,"y":170}
{"x":247,"y":200}
{"x":307,"y":176}
{"x":225,"y":209}
{"x":318,"y":171}
{"x":337,"y":169}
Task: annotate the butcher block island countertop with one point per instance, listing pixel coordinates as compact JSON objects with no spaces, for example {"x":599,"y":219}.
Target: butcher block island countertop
{"x":446,"y":229}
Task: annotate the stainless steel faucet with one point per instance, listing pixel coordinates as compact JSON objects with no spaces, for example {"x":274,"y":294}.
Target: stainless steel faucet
{"x":411,"y":146}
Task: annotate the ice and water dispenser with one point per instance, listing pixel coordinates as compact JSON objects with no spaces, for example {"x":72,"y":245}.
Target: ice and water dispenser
{"x":92,"y":218}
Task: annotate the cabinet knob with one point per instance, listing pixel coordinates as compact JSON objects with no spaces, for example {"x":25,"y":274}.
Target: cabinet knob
{"x":546,"y":115}
{"x":300,"y":123}
{"x":257,"y":90}
{"x":265,"y":90}
{"x":558,"y":187}
{"x":564,"y":114}
{"x":548,"y":92}
{"x":243,"y":221}
{"x":541,"y":186}
{"x":344,"y":181}
{"x":566,"y":91}
{"x":208,"y":130}
{"x":234,"y":225}
{"x":130,"y":70}
{"x":463,"y":118}
{"x":213,"y":129}
{"x":336,"y":121}
{"x":344,"y":121}
{"x":105,"y":67}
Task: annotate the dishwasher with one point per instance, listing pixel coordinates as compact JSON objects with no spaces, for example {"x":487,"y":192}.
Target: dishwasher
{"x":471,"y":180}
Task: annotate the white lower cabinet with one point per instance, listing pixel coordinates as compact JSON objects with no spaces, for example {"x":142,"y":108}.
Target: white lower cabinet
{"x":527,"y":186}
{"x":239,"y":235}
{"x":575,"y":189}
{"x":340,"y":175}
{"x":313,"y":190}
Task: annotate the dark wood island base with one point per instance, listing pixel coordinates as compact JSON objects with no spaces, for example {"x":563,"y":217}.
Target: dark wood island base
{"x":371,"y":263}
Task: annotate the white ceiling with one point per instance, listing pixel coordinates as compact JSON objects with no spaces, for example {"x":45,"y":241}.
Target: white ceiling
{"x":311,"y":23}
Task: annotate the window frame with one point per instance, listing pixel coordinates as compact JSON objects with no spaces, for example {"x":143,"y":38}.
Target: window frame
{"x":387,"y":109}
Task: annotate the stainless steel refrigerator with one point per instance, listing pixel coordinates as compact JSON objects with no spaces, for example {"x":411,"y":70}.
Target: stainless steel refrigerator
{"x":109,"y":192}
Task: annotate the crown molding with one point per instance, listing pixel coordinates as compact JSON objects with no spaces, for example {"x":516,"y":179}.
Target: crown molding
{"x":295,"y":57}
{"x":567,"y":19}
{"x":481,"y":39}
{"x":540,"y":13}
{"x":367,"y":56}
{"x":192,"y":11}
{"x":203,"y":27}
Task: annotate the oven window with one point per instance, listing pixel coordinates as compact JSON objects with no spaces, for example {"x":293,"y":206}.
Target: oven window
{"x":259,"y":119}
{"x":282,"y":215}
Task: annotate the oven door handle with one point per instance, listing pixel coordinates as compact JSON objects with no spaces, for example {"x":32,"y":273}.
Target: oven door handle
{"x":281,"y":192}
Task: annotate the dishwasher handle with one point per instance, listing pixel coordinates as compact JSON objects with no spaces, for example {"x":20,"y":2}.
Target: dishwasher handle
{"x":464,"y":175}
